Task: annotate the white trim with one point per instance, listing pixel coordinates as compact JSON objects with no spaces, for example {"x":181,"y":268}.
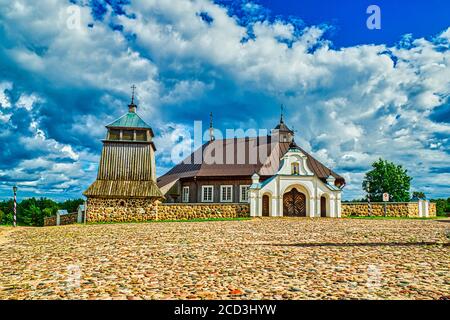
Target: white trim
{"x":240,"y":193}
{"x":222,"y":187}
{"x":212,"y":193}
{"x":183,"y":195}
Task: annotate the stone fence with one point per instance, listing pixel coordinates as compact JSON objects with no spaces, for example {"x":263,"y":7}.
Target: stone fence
{"x":134,"y":210}
{"x":60,"y":220}
{"x":180,"y":211}
{"x":393,"y":209}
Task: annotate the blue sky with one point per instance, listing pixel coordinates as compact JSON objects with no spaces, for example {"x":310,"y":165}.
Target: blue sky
{"x":352,"y":94}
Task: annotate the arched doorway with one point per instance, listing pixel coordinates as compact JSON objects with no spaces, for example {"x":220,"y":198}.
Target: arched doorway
{"x":265,"y":205}
{"x":323,"y":207}
{"x":294,"y":204}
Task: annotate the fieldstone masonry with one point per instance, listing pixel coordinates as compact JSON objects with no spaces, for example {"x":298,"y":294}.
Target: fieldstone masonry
{"x":393,"y":209}
{"x":129,"y":210}
{"x":120,"y":210}
{"x":65,"y":219}
{"x":134,"y":210}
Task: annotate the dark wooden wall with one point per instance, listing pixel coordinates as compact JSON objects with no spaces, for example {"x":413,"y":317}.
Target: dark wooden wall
{"x":195,"y":188}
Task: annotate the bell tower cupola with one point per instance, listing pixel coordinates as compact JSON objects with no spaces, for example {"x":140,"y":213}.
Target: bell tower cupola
{"x":282,"y":131}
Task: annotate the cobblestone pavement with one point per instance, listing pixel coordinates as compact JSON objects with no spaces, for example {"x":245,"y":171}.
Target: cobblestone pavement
{"x":272,"y":258}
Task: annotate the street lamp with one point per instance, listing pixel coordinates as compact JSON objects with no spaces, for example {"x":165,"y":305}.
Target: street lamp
{"x":15,"y":205}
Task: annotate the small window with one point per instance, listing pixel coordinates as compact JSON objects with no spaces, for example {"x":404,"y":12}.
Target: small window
{"x":141,"y":135}
{"x":114,"y":134}
{"x":185,"y":194}
{"x":243,"y":194}
{"x":295,"y":169}
{"x":226,"y":193}
{"x":127,"y":135}
{"x":207,"y":193}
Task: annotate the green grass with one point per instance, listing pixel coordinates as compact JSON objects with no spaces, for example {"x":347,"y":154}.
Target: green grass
{"x":158,"y":221}
{"x":392,"y":218}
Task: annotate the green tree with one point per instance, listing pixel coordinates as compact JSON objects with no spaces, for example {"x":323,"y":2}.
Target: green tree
{"x":387,"y":177}
{"x":418,"y":195}
{"x":71,"y":205}
{"x":441,"y":206}
{"x":7,"y":208}
{"x":8,"y":218}
{"x":2,"y":214}
{"x":33,"y":216}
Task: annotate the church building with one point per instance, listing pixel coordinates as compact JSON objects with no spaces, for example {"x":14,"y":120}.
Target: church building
{"x":271,"y":173}
{"x":126,"y":179}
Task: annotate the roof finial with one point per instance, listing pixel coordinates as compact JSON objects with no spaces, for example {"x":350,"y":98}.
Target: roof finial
{"x":282,"y":110}
{"x":210,"y":120}
{"x":132,"y":106}
{"x":133,"y":87}
{"x":211,"y":128}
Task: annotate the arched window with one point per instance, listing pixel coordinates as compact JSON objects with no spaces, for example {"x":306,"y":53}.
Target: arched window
{"x":295,"y":168}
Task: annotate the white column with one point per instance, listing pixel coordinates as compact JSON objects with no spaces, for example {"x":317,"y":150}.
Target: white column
{"x":338,"y":206}
{"x":253,"y":203}
{"x":333,"y":213}
{"x":426,"y":205}
{"x":420,"y":208}
{"x":273,"y":206}
{"x":318,"y":206}
{"x":259,"y":206}
{"x":312,"y":207}
{"x":58,"y":219}
{"x":280,"y":206}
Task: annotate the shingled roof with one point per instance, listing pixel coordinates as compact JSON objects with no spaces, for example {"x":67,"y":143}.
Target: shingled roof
{"x":190,"y":168}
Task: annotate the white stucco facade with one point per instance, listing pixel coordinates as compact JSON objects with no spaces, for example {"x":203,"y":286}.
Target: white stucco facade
{"x":313,"y":197}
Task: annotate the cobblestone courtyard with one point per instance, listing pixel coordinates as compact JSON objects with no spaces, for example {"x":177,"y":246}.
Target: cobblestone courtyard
{"x":277,"y":258}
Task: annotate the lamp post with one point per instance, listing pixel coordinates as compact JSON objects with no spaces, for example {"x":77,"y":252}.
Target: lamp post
{"x":15,"y":205}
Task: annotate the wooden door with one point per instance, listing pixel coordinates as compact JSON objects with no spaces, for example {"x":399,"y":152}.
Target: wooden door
{"x":265,"y":205}
{"x":294,"y":204}
{"x":323,"y":207}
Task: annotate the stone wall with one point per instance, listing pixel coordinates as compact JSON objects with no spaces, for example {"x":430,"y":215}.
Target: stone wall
{"x":393,"y":209}
{"x":202,"y":211}
{"x":133,"y":210}
{"x":120,"y":210}
{"x":432,"y":209}
{"x":65,"y":219}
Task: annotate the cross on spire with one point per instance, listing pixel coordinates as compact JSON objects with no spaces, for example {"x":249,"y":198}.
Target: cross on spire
{"x":210,"y":120}
{"x":281,"y":112}
{"x":211,"y":128}
{"x":132,"y":107}
{"x":133,"y":87}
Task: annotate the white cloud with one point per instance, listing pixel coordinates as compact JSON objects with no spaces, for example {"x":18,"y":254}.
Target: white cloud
{"x":4,"y":99}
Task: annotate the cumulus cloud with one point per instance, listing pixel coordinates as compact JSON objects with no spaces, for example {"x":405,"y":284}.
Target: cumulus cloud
{"x":349,"y":105}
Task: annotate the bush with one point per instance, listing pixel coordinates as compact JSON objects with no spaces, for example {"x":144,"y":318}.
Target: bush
{"x":442,"y":207}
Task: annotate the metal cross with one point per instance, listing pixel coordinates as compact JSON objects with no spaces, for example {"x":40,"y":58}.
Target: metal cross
{"x":133,"y":87}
